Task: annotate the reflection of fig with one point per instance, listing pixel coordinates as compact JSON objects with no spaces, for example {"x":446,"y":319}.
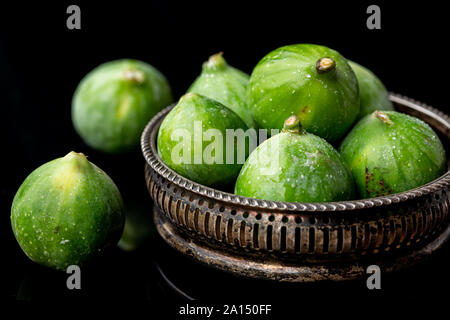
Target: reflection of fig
{"x":139,"y":227}
{"x":373,"y":94}
{"x":66,"y":211}
{"x":189,"y":141}
{"x":114,"y":102}
{"x":223,"y":83}
{"x":390,"y":152}
{"x":295,"y":166}
{"x":312,"y":82}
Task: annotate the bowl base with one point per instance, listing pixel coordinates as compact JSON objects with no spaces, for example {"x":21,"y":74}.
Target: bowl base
{"x":244,"y":266}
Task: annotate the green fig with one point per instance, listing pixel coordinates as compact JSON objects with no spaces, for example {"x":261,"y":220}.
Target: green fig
{"x":66,"y":211}
{"x":390,"y":152}
{"x":115,"y":101}
{"x":223,"y":83}
{"x":372,"y":93}
{"x":295,"y":166}
{"x":194,"y":142}
{"x":312,"y":82}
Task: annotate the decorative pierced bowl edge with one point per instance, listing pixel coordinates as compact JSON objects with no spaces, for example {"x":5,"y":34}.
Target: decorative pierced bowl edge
{"x":149,"y":150}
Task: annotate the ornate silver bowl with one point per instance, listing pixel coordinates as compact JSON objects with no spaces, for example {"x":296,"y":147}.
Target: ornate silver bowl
{"x":300,"y":242}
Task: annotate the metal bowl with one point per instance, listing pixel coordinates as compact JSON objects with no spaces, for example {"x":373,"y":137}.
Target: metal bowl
{"x":300,"y":242}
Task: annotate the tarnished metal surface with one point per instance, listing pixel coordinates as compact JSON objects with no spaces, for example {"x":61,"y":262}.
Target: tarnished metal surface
{"x":269,"y":268}
{"x":332,"y":233}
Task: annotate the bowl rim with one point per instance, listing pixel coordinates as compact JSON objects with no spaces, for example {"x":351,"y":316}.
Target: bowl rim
{"x":150,"y":153}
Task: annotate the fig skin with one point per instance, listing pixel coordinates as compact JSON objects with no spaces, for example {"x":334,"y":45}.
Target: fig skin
{"x":390,"y":152}
{"x":221,"y":82}
{"x":372,"y":92}
{"x":312,"y":82}
{"x":308,"y":169}
{"x":114,"y":102}
{"x":66,"y":212}
{"x":213,"y":115}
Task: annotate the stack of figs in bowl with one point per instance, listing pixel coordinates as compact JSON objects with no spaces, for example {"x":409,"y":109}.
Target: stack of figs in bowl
{"x":305,"y":170}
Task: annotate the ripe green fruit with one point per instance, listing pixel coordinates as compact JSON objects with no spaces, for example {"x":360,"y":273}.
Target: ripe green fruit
{"x":372,"y":93}
{"x":223,"y":83}
{"x":114,"y":102}
{"x":193,"y":141}
{"x":390,"y":152}
{"x":312,"y":82}
{"x":66,"y":211}
{"x":295,"y":166}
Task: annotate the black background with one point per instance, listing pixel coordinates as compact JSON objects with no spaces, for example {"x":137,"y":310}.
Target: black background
{"x":41,"y":63}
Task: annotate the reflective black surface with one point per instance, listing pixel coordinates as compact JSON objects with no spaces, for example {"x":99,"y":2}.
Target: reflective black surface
{"x":41,"y":63}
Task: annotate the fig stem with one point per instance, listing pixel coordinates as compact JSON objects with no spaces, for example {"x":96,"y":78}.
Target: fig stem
{"x":324,"y":65}
{"x":73,"y":154}
{"x":383,"y":117}
{"x":76,"y":161}
{"x":188,"y":95}
{"x":216,"y":61}
{"x":134,"y":75}
{"x":292,"y":124}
